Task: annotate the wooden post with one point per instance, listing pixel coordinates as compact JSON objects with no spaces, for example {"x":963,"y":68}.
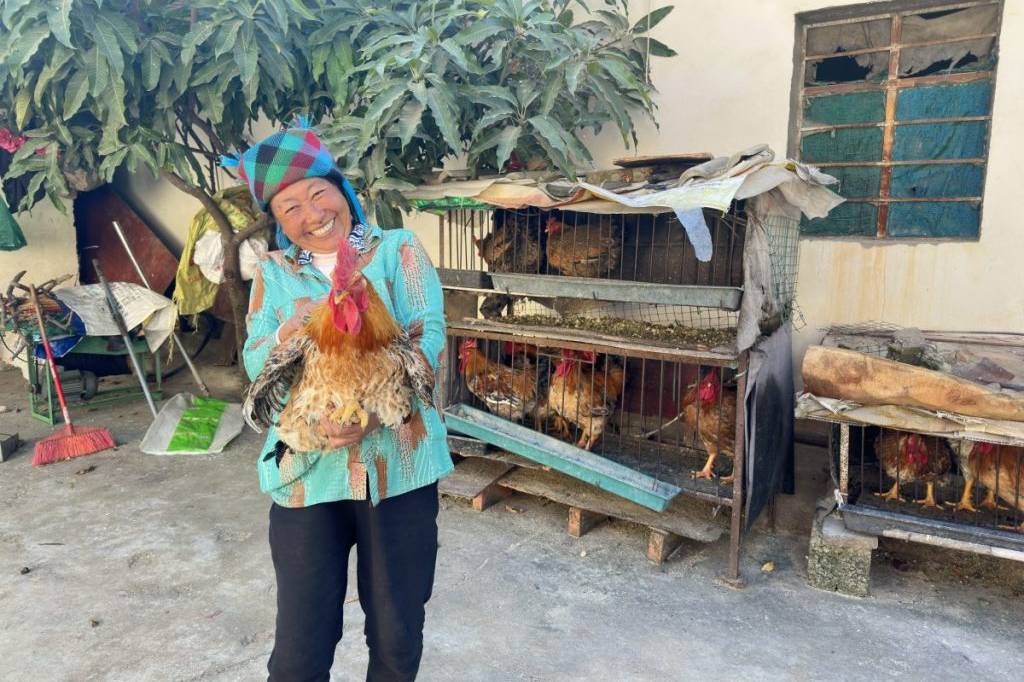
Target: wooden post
{"x":490,"y":496}
{"x":732,"y":576}
{"x":661,"y":544}
{"x":581,"y":521}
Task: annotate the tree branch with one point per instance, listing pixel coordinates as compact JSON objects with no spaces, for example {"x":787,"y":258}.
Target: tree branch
{"x":260,"y":224}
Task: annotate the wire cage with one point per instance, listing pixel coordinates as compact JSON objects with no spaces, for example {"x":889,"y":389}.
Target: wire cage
{"x":946,"y":480}
{"x":572,"y":269}
{"x":660,"y":417}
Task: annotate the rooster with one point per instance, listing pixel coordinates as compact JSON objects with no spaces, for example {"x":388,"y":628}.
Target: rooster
{"x":590,"y":250}
{"x":509,"y":392}
{"x":710,"y":410}
{"x":512,"y":246}
{"x":997,"y":468}
{"x":351,"y":359}
{"x":909,"y":457}
{"x":583,"y":394}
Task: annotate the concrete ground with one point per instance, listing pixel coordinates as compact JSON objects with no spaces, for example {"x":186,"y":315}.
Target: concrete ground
{"x":124,"y":566}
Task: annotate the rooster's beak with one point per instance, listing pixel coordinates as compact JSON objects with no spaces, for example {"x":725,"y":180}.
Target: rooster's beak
{"x":340,"y":296}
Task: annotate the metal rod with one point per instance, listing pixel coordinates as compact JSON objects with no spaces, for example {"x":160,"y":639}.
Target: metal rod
{"x":174,"y":335}
{"x":123,"y":329}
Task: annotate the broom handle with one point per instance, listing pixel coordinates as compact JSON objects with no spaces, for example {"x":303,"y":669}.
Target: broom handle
{"x":49,"y":355}
{"x":174,"y":335}
{"x":122,"y":327}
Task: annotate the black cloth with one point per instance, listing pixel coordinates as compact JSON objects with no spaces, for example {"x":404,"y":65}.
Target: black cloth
{"x":396,"y":549}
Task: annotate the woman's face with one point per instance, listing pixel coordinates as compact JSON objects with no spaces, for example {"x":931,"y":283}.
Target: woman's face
{"x":313,"y":214}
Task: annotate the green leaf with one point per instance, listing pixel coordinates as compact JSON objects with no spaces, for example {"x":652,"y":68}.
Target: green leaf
{"x":654,"y":47}
{"x":409,"y":121}
{"x":150,"y":69}
{"x":551,"y":92}
{"x":572,"y":76}
{"x":106,"y":42}
{"x":442,"y":108}
{"x":58,"y":16}
{"x":651,"y":20}
{"x":383,"y":101}
{"x":478,"y":32}
{"x":11,"y":8}
{"x":459,"y":57}
{"x":552,"y":136}
{"x":74,"y":94}
{"x":99,"y":72}
{"x":26,"y":44}
{"x":227,"y":38}
{"x":245,"y":58}
{"x":506,"y":143}
{"x":393,"y":184}
{"x":21,"y":106}
{"x":623,"y":74}
{"x":199,"y":34}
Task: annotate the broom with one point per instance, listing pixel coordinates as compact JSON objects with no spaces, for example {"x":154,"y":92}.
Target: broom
{"x":68,"y":442}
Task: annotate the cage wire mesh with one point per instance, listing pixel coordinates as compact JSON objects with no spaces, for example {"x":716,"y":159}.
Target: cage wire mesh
{"x":783,"y":234}
{"x":647,"y":248}
{"x":944,"y":479}
{"x":659,"y":417}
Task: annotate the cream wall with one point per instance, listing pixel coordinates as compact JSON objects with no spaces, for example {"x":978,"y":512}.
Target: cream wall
{"x":730,"y":88}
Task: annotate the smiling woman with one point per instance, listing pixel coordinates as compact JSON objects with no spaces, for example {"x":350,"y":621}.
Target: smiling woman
{"x":346,"y":333}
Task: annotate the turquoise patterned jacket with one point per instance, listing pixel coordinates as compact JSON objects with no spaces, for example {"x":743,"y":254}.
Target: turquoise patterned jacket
{"x":388,"y":462}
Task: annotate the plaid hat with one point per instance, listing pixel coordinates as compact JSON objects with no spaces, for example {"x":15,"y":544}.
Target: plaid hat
{"x":283,"y":159}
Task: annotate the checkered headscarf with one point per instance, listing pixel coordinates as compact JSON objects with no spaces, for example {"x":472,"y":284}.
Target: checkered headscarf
{"x":283,"y":159}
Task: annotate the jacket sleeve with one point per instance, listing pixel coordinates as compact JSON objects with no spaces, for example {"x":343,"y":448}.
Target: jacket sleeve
{"x":418,"y":296}
{"x":261,"y":324}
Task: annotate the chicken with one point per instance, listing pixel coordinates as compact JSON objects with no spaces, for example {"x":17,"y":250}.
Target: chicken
{"x":909,"y":457}
{"x":584,"y":395}
{"x":999,"y":468}
{"x":351,"y":359}
{"x":512,"y":246}
{"x":509,"y":392}
{"x":710,"y":410}
{"x":592,"y":249}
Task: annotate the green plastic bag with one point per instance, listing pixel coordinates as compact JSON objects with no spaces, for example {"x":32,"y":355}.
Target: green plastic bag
{"x":11,"y":236}
{"x":198,"y":425}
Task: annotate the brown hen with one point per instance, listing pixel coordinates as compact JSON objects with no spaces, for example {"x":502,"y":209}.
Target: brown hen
{"x":710,"y":410}
{"x":998,"y":468}
{"x":509,"y":392}
{"x":588,"y":250}
{"x":512,"y":246}
{"x":583,"y":394}
{"x":910,"y":457}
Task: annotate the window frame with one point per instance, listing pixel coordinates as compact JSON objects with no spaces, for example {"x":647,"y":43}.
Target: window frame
{"x":890,"y":86}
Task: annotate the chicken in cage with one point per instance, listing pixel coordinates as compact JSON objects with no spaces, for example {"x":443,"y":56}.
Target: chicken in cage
{"x":949,"y":479}
{"x":674,"y":421}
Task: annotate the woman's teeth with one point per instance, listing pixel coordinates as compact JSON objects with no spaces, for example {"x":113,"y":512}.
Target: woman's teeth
{"x":321,"y":231}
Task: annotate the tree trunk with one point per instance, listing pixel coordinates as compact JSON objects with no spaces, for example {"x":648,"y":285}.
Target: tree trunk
{"x":232,"y":266}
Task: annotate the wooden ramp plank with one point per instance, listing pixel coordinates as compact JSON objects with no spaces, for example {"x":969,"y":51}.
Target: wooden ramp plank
{"x":684,"y":516}
{"x":472,"y":476}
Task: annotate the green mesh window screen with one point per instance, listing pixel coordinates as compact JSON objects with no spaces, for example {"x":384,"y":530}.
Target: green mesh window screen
{"x":895,"y":101}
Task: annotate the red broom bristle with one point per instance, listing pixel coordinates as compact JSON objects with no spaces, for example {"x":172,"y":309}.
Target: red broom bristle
{"x":72,"y":442}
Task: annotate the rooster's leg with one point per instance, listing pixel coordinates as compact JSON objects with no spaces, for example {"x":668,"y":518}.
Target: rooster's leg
{"x":965,"y":503}
{"x":893,"y":494}
{"x":352,"y":407}
{"x":707,"y":471}
{"x":1019,"y":529}
{"x":929,"y":498}
{"x":990,"y":501}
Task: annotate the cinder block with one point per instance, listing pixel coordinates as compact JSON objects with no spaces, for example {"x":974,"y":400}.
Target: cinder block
{"x":839,"y":559}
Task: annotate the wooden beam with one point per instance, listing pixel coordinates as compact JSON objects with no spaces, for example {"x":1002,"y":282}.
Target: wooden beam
{"x":661,"y":544}
{"x":582,"y":521}
{"x":490,"y":496}
{"x":473,"y":478}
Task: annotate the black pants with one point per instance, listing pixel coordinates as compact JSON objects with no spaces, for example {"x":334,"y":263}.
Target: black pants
{"x":396,"y":548}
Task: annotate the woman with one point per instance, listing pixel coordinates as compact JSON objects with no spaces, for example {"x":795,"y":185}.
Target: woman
{"x":377,"y":488}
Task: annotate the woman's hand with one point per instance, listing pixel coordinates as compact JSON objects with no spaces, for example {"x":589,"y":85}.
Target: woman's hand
{"x":304,"y":308}
{"x":339,"y":436}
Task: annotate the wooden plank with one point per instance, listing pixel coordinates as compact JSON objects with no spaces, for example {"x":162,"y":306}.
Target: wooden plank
{"x":849,"y":375}
{"x":582,"y":521}
{"x":472,"y":476}
{"x":692,"y":159}
{"x":661,"y":545}
{"x":557,"y":337}
{"x":581,"y":464}
{"x":684,"y":516}
{"x":490,"y":496}
{"x":726,"y":298}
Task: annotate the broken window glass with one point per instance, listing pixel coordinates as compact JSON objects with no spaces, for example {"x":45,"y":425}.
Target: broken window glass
{"x":873,"y":66}
{"x":823,"y":40}
{"x":964,"y":55}
{"x":950,"y":24}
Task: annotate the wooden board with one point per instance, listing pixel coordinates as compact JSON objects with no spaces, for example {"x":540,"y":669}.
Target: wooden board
{"x":472,"y":476}
{"x":684,"y":517}
{"x":689,"y":159}
{"x":849,"y":375}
